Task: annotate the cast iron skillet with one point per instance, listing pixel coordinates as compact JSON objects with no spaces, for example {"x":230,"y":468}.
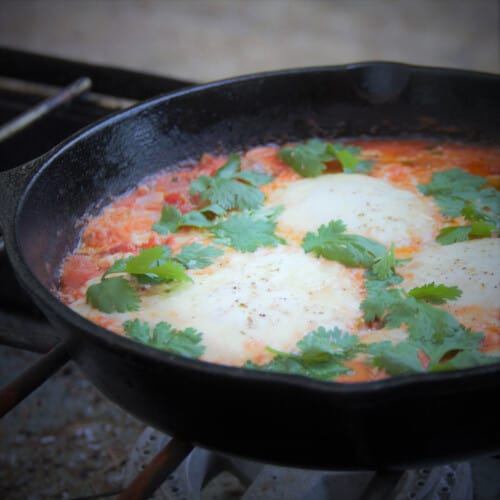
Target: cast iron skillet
{"x":285,"y":419}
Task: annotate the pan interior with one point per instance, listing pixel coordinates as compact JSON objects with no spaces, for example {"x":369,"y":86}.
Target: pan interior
{"x":365,"y":100}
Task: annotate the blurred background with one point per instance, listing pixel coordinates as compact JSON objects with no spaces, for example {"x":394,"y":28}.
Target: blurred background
{"x":203,"y":40}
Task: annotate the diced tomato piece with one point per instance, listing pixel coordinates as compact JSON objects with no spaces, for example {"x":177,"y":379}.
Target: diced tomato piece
{"x":77,"y":270}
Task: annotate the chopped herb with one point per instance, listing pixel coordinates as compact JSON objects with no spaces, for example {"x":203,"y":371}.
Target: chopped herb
{"x":196,"y":256}
{"x":172,"y":220}
{"x":231,"y":188}
{"x":349,"y":158}
{"x":248,"y":231}
{"x":310,"y":159}
{"x":113,"y":294}
{"x":399,"y":359}
{"x":459,"y":193}
{"x":435,"y":294}
{"x":384,"y":267}
{"x":322,"y":354}
{"x":456,"y":189}
{"x":352,"y":250}
{"x":465,"y":359}
{"x":454,"y":234}
{"x":471,"y":214}
{"x":431,"y":330}
{"x":447,"y":353}
{"x":164,"y":336}
{"x":156,"y":262}
{"x":151,"y":266}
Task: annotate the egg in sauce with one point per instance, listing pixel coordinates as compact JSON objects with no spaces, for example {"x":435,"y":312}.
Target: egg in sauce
{"x":271,"y":303}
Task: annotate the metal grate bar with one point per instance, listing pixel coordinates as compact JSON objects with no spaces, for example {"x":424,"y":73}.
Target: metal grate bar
{"x":155,"y":473}
{"x":25,"y":119}
{"x":14,"y":392}
{"x":44,"y":90}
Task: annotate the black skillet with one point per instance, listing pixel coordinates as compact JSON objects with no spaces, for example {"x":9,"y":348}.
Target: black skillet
{"x":285,"y":419}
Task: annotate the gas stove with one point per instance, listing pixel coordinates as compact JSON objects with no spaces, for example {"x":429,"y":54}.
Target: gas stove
{"x":66,"y":440}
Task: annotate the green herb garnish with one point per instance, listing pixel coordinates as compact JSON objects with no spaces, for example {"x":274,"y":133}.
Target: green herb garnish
{"x":431,"y":330}
{"x":321,"y":355}
{"x":454,"y":189}
{"x":435,"y":294}
{"x":459,"y":193}
{"x":331,"y":242}
{"x":151,"y":266}
{"x":231,"y":188}
{"x":165,"y":336}
{"x":310,"y":159}
{"x":197,"y":256}
{"x":113,"y":294}
{"x":172,"y":220}
{"x":248,"y":231}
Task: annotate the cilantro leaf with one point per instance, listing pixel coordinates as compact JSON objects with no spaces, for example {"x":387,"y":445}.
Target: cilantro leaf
{"x":453,"y":234}
{"x":438,"y":333}
{"x":399,"y":359}
{"x":196,"y":256}
{"x":172,"y":219}
{"x":322,"y":354}
{"x":348,"y":156}
{"x":253,"y":178}
{"x":465,"y":359}
{"x":247,"y":231}
{"x":310,"y":159}
{"x":164,"y":336}
{"x":113,"y":294}
{"x":156,"y":262}
{"x":169,"y":221}
{"x":482,"y":225}
{"x":119,"y":266}
{"x":151,"y":266}
{"x":352,"y":250}
{"x":474,"y":215}
{"x":454,"y":189}
{"x":384,"y":267}
{"x":380,"y":302}
{"x":322,"y":344}
{"x":230,"y":188}
{"x":432,"y":330}
{"x":435,"y":294}
{"x":489,"y":201}
{"x":402,"y":358}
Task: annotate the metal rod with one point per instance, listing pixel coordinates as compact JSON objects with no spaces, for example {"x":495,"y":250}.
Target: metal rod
{"x":24,"y":87}
{"x":153,"y":476}
{"x":14,"y":392}
{"x":28,"y":117}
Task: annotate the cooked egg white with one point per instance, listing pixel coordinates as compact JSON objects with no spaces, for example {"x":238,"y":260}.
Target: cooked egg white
{"x":368,"y":206}
{"x":473,"y":266}
{"x":247,"y":301}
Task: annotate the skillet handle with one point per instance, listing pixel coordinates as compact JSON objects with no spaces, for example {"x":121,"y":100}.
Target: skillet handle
{"x":22,"y":325}
{"x":12,"y":184}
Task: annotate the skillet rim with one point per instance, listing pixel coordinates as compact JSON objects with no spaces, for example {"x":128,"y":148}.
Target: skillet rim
{"x":125,"y":345}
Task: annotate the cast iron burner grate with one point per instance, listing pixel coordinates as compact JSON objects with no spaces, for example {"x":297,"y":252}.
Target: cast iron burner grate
{"x":206,"y":475}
